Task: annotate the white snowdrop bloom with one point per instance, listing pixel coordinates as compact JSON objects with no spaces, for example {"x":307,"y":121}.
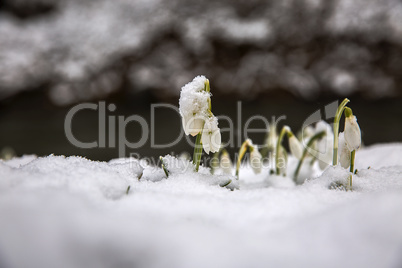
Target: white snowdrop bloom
{"x":344,"y":153}
{"x":272,"y":138}
{"x":295,"y":146}
{"x":225,"y":163}
{"x":192,"y":125}
{"x":352,"y":133}
{"x":194,"y":105}
{"x":325,"y":146}
{"x":306,"y":133}
{"x":255,"y":160}
{"x":211,"y":135}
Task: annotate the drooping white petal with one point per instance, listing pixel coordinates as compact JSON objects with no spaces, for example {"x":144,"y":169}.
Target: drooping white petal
{"x":272,"y":138}
{"x":211,"y":135}
{"x":226,"y":163}
{"x":307,"y":133}
{"x":184,"y":123}
{"x":216,"y":140}
{"x":256,"y":160}
{"x":295,"y":147}
{"x":325,"y":146}
{"x":206,"y":139}
{"x":352,"y":133}
{"x":194,"y":125}
{"x":344,"y":152}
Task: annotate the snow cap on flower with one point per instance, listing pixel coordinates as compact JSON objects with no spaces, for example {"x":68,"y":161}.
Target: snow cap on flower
{"x":255,"y":159}
{"x":194,"y":105}
{"x":295,"y":146}
{"x":344,"y":152}
{"x":352,"y":131}
{"x":211,"y":135}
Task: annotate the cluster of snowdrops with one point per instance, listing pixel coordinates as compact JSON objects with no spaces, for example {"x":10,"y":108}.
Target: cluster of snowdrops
{"x":321,"y":143}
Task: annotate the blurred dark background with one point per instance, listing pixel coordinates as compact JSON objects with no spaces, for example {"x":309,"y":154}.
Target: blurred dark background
{"x":287,"y":57}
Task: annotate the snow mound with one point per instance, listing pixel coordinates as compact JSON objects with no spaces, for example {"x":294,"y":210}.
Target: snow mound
{"x":72,"y":212}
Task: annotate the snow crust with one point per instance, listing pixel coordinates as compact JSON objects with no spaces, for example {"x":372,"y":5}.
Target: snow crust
{"x":61,"y":211}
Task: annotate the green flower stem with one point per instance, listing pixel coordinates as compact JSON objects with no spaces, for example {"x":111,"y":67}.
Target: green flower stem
{"x":285,"y":155}
{"x":350,"y":182}
{"x":352,"y":161}
{"x":317,"y":136}
{"x":284,"y":130}
{"x":197,"y":152}
{"x":164,"y":166}
{"x":352,"y":167}
{"x":338,"y":116}
{"x":198,"y":145}
{"x":242,"y":152}
{"x":207,"y":88}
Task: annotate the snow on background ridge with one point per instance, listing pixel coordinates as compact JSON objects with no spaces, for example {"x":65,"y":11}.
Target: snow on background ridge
{"x":80,"y":50}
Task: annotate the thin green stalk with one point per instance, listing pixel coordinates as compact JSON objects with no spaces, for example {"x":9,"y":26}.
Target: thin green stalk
{"x":352,"y":160}
{"x":284,"y":130}
{"x":285,"y":156}
{"x":197,"y":152}
{"x":337,"y":118}
{"x":317,"y":136}
{"x":350,"y":182}
{"x":164,"y":166}
{"x":352,"y":167}
{"x":242,"y":152}
{"x":198,"y":145}
{"x":207,"y":88}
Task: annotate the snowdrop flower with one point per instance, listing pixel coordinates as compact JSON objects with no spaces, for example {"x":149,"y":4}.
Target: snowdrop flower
{"x":272,"y":137}
{"x":281,"y":161}
{"x":285,"y":130}
{"x":194,"y":105}
{"x":352,"y":131}
{"x":255,"y":159}
{"x":211,"y":135}
{"x":306,"y":133}
{"x":226,"y":163}
{"x":192,"y":125}
{"x":295,"y":146}
{"x":344,"y":153}
{"x":325,"y":146}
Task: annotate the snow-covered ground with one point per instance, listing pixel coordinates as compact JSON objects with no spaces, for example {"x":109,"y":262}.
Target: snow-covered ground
{"x":61,"y":211}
